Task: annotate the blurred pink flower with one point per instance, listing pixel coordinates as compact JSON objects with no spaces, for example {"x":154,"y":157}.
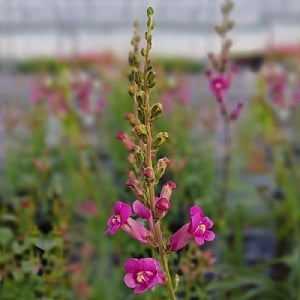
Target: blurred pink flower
{"x":143,"y":274}
{"x":89,"y":207}
{"x":218,"y":85}
{"x":82,"y":288}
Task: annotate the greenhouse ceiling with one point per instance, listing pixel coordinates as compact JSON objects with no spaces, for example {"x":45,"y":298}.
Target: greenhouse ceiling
{"x":102,"y":15}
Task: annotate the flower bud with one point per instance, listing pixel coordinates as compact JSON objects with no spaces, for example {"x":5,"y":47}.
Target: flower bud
{"x":131,"y":119}
{"x":161,"y":166}
{"x":136,"y":186}
{"x":139,"y":155}
{"x":156,"y":110}
{"x":141,"y":131}
{"x":127,"y":141}
{"x":149,"y":173}
{"x":161,"y":137}
{"x":162,"y":206}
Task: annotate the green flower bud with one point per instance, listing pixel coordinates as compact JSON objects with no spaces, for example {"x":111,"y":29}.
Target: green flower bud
{"x":150,"y":11}
{"x":156,"y":111}
{"x":161,"y":137}
{"x":141,"y":131}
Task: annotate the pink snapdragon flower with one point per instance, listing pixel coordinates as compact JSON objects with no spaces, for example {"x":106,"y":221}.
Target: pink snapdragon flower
{"x":143,"y":274}
{"x":218,"y":85}
{"x":197,"y":229}
{"x":121,"y":220}
{"x":122,"y":211}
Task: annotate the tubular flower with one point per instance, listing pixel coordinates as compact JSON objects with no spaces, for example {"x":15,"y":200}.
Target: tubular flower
{"x":136,"y":230}
{"x":122,"y":211}
{"x":199,"y":226}
{"x":121,"y":220}
{"x":143,"y":274}
{"x":197,"y":229}
{"x":218,"y":85}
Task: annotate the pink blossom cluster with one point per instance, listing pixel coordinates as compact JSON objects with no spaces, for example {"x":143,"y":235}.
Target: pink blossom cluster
{"x":283,"y":94}
{"x":143,"y":274}
{"x":80,"y":94}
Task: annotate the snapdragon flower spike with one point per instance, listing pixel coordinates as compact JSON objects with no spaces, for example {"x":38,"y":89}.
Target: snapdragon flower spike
{"x":143,"y":274}
{"x":197,"y":229}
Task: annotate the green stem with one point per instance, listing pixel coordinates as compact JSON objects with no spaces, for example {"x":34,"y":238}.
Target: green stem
{"x":151,"y":186}
{"x":226,"y":159}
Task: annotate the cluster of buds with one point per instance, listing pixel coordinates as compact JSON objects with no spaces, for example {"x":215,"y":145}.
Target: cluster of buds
{"x":147,"y":170}
{"x":221,"y":76}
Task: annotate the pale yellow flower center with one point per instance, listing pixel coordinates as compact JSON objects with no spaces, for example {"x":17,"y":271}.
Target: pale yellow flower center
{"x":115,"y":219}
{"x":202,"y":227}
{"x":140,"y":277}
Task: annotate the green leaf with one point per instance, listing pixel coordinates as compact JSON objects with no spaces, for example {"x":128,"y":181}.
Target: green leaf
{"x":6,"y":235}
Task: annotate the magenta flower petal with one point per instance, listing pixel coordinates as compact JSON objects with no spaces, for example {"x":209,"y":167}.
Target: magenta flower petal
{"x":199,"y":240}
{"x":194,"y":210}
{"x":140,"y":209}
{"x":131,"y":265}
{"x":207,"y":222}
{"x":129,"y":280}
{"x":196,"y":216}
{"x":209,"y":235}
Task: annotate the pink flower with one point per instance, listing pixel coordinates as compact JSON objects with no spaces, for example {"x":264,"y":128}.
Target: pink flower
{"x":218,"y":85}
{"x":143,"y":274}
{"x":197,"y":229}
{"x":89,"y":207}
{"x":100,"y":105}
{"x":122,"y":211}
{"x":121,"y":220}
{"x":199,"y":226}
